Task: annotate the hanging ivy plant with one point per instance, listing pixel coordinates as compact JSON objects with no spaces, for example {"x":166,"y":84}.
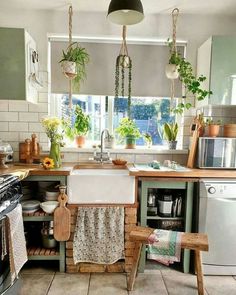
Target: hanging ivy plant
{"x":123,"y":62}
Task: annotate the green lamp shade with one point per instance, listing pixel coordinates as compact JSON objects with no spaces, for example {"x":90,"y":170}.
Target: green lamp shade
{"x":125,"y":12}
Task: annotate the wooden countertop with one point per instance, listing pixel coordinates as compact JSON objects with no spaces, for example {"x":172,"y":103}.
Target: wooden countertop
{"x":24,"y":170}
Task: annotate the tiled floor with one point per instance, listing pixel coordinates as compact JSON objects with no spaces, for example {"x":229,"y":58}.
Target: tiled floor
{"x":166,"y":281}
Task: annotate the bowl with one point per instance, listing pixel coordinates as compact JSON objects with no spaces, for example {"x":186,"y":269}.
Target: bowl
{"x":30,"y":206}
{"x":51,"y":195}
{"x":49,"y":206}
{"x":119,"y":162}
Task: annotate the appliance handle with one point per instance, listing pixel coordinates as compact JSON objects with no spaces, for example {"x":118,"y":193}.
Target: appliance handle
{"x":226,"y":199}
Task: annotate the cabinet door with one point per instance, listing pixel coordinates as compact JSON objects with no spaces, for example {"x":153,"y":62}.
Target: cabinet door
{"x":223,"y":70}
{"x":12,"y":64}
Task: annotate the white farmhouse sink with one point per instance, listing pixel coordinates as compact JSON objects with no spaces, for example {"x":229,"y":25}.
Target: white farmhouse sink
{"x":101,"y":186}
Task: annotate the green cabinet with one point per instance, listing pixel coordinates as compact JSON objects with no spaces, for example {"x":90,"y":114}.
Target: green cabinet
{"x":175,"y":186}
{"x":38,"y":252}
{"x":18,"y":66}
{"x":216,"y":60}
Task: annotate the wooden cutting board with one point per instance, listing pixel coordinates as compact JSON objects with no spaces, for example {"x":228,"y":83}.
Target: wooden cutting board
{"x":193,"y":148}
{"x":62,"y":218}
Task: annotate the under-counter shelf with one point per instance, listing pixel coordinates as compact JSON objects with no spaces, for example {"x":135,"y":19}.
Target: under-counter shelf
{"x":39,"y":215}
{"x":39,"y":253}
{"x":156,"y":217}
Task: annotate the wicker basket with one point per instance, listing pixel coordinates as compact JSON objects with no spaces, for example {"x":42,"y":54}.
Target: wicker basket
{"x":229,"y":130}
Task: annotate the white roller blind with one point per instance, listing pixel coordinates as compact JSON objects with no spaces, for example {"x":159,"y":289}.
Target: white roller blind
{"x":148,"y":71}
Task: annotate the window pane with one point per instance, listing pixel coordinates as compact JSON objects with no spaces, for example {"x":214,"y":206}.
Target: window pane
{"x":149,"y":114}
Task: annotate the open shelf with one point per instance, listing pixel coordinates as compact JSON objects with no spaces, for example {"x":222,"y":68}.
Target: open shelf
{"x":38,"y":253}
{"x":39,"y":215}
{"x":156,"y":217}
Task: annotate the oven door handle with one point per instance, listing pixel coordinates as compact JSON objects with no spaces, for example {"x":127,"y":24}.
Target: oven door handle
{"x":232,"y":200}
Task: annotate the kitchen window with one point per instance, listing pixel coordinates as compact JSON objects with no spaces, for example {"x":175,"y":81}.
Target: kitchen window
{"x":149,"y":113}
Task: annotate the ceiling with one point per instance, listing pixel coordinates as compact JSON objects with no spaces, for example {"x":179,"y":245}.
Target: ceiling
{"x":226,"y":7}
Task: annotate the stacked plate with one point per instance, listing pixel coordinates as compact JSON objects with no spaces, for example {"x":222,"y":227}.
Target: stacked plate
{"x":30,"y":206}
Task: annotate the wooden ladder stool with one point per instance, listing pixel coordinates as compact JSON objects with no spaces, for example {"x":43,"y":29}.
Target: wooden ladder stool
{"x":193,"y":241}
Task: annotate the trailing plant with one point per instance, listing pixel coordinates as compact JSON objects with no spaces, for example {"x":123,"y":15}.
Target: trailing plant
{"x":127,"y":127}
{"x":212,"y":122}
{"x":76,"y":53}
{"x":170,"y":131}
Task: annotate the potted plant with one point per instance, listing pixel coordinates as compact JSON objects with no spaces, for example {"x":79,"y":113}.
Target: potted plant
{"x":148,"y":139}
{"x":79,"y":129}
{"x":170,"y":134}
{"x":109,"y":141}
{"x":213,"y":127}
{"x":172,"y":67}
{"x":74,"y":61}
{"x":127,"y":129}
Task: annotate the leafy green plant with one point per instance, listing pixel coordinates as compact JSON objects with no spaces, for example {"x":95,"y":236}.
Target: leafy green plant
{"x":76,"y":53}
{"x":81,"y":124}
{"x":191,"y":83}
{"x":170,"y":131}
{"x":127,"y":127}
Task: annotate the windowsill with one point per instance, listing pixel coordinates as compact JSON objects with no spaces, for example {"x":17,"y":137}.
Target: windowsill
{"x":121,"y":150}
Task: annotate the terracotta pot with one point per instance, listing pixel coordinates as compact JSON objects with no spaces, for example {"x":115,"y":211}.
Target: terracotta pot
{"x":213,"y":130}
{"x":130,"y":142}
{"x":230,"y":130}
{"x":171,"y":71}
{"x":69,"y":69}
{"x":80,"y":141}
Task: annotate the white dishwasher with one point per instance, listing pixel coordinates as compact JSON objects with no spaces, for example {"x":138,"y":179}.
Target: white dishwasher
{"x":217,"y":218}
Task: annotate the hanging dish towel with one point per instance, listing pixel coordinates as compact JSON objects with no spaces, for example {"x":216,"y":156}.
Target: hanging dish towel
{"x":164,"y":246}
{"x":17,"y":244}
{"x":99,"y":235}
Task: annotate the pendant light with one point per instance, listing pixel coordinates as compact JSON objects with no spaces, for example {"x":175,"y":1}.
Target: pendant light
{"x":125,"y":12}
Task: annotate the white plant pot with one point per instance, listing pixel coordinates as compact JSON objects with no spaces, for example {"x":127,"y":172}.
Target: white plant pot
{"x":69,"y":69}
{"x":171,"y":71}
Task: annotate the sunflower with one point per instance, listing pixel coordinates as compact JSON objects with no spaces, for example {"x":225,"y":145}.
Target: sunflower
{"x":48,"y":163}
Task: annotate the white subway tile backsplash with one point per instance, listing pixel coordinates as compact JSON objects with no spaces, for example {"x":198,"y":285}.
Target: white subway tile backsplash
{"x":43,"y":97}
{"x":130,"y":158}
{"x":8,"y":116}
{"x":43,"y":137}
{"x":14,"y":145}
{"x":36,"y":127}
{"x":180,"y":159}
{"x":162,"y":158}
{"x":3,"y":126}
{"x":39,"y":107}
{"x":144,"y":158}
{"x":18,"y":106}
{"x":24,"y":135}
{"x":4,"y":106}
{"x":84,"y":157}
{"x":18,"y":126}
{"x":71,"y":157}
{"x":28,"y":117}
{"x":42,"y":115}
{"x":9,"y":136}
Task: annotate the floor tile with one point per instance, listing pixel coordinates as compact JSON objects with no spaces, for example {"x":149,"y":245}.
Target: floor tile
{"x":71,"y":284}
{"x":184,"y":284}
{"x":107,"y":284}
{"x":36,"y":284}
{"x":150,"y":284}
{"x":218,"y":285}
{"x":40,"y":267}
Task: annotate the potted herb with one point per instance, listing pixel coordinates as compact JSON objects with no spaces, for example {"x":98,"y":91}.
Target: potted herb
{"x":109,"y":141}
{"x":74,"y":61}
{"x":128,"y":130}
{"x":213,"y":127}
{"x":172,"y":67}
{"x":170,"y":134}
{"x":79,"y":129}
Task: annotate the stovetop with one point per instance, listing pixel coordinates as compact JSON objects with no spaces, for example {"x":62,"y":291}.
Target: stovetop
{"x":10,"y":193}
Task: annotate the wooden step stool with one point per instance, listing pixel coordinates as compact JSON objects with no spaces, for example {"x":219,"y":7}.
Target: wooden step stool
{"x":193,"y":241}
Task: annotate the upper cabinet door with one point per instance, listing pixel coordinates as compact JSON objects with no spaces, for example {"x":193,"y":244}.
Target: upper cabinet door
{"x":16,"y":80}
{"x":216,"y":60}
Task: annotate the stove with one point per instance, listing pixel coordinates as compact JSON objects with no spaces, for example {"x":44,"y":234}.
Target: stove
{"x":10,"y":193}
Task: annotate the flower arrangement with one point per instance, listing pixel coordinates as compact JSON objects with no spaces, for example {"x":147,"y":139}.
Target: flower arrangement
{"x":52,"y":126}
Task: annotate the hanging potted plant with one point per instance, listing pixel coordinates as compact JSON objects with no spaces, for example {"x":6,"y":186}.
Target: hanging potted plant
{"x":170,"y":134}
{"x":123,"y":63}
{"x":80,"y":128}
{"x":128,"y":130}
{"x":179,"y":68}
{"x":74,"y":61}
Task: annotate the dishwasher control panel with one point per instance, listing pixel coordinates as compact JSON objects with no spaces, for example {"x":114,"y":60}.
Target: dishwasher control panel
{"x":218,"y":188}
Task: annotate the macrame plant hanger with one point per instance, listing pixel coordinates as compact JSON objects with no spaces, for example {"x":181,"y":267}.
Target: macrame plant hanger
{"x":175,"y":14}
{"x":70,"y":44}
{"x":123,"y":61}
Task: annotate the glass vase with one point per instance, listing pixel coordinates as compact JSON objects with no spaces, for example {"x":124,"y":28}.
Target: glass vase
{"x":55,"y":154}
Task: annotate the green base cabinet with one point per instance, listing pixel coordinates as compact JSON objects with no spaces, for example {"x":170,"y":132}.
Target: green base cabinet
{"x":16,"y":65}
{"x":61,"y":257}
{"x":188,"y":206}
